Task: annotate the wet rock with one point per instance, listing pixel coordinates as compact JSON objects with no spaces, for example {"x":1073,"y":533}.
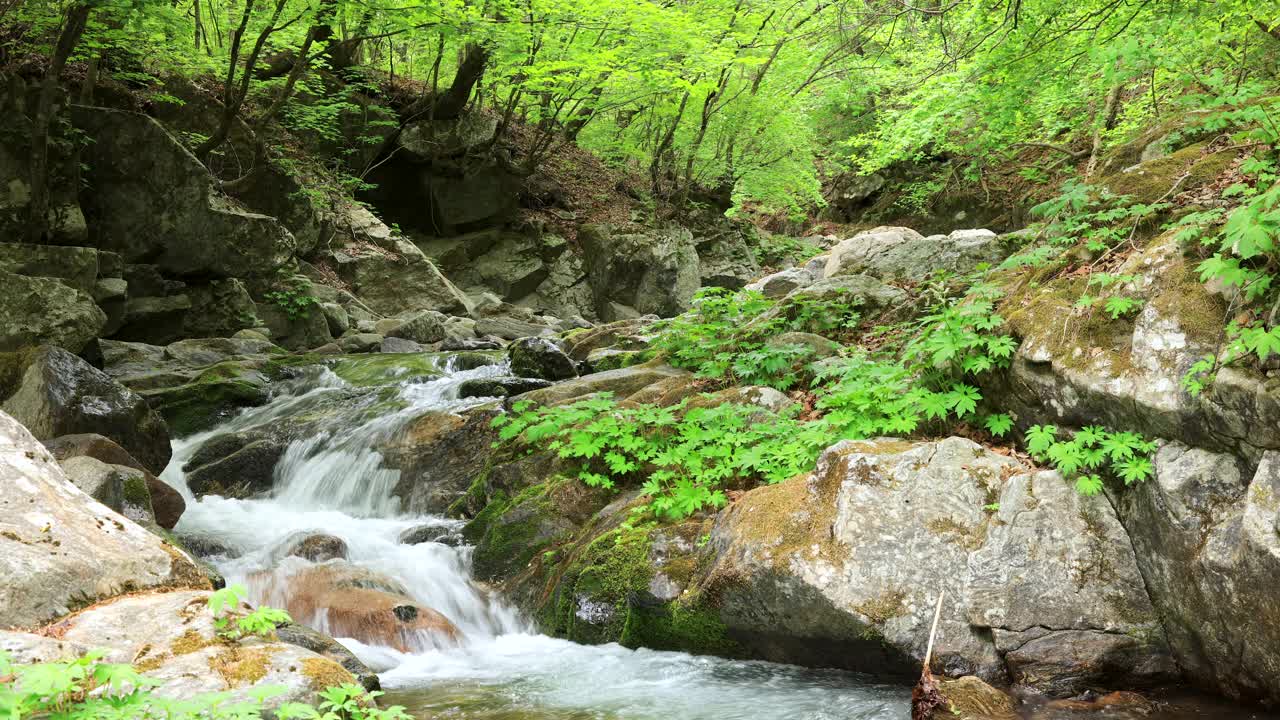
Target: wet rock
{"x":472,"y":360}
{"x":443,"y":534}
{"x":178,"y":646}
{"x":236,"y":465}
{"x":37,"y":310}
{"x":318,"y":642}
{"x":366,"y":609}
{"x":540,"y":358}
{"x":76,"y":267}
{"x":300,"y":330}
{"x":74,"y":549}
{"x":969,"y":698}
{"x":439,"y":455}
{"x":53,"y":392}
{"x":606,"y":359}
{"x":91,"y":445}
{"x":500,"y":387}
{"x":510,"y":327}
{"x":844,"y":567}
{"x":313,"y":546}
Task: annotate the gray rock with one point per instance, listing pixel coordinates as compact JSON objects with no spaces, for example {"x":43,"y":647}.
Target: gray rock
{"x":1206,"y":540}
{"x":74,"y":550}
{"x":154,"y":201}
{"x":337,"y":318}
{"x":439,"y":456}
{"x":452,"y":344}
{"x":725,"y":260}
{"x":159,"y":504}
{"x":305,"y":329}
{"x":76,"y":267}
{"x":318,"y":642}
{"x":37,"y":310}
{"x":424,"y":328}
{"x":400,"y":345}
{"x":236,"y":465}
{"x":219,"y":308}
{"x":499,"y":387}
{"x":780,"y":283}
{"x":360,"y":343}
{"x":314,"y":546}
{"x":903,"y":254}
{"x":853,"y":558}
{"x":510,"y":328}
{"x":651,"y":271}
{"x":155,"y":320}
{"x":400,"y":279}
{"x":621,"y":382}
{"x":56,"y":393}
{"x":540,"y":358}
{"x":178,"y":645}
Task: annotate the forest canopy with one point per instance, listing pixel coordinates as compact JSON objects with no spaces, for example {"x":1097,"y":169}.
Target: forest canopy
{"x":759,"y":101}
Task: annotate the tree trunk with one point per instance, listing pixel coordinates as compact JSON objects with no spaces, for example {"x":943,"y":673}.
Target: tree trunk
{"x":38,"y":210}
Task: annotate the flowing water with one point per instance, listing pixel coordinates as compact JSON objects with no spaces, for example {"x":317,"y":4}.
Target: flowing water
{"x":333,"y":481}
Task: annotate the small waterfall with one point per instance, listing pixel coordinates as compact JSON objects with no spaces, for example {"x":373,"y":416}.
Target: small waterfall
{"x":333,"y":481}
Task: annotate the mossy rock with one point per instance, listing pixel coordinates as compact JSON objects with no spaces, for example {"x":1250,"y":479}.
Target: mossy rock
{"x":1155,"y":179}
{"x":509,"y":532}
{"x":199,"y":406}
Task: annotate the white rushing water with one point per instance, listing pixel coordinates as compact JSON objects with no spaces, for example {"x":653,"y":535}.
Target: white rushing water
{"x":334,"y":482}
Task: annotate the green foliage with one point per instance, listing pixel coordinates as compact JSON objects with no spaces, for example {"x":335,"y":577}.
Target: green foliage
{"x":232,"y":624}
{"x":726,"y":336}
{"x":1092,"y":452}
{"x":685,"y":455}
{"x":293,"y":298}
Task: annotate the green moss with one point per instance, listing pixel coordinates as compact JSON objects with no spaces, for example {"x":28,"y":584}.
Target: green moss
{"x":12,"y":367}
{"x":199,"y":406}
{"x":323,"y":673}
{"x":136,"y":492}
{"x":508,"y":534}
{"x":375,"y":369}
{"x":239,"y":666}
{"x":678,"y":625}
{"x":620,"y":359}
{"x":1153,"y":180}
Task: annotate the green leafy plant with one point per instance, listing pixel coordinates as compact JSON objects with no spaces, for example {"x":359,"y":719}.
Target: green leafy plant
{"x":1091,"y":452}
{"x":232,"y":624}
{"x":1118,"y":306}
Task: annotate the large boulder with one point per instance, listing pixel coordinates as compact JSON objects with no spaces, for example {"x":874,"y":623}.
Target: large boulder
{"x":844,"y":568}
{"x":398,"y":278}
{"x":178,"y":646}
{"x":622,"y":383}
{"x":649,"y":271}
{"x":896,"y":253}
{"x":53,"y":392}
{"x":1207,"y":537}
{"x":77,"y":267}
{"x":61,"y":549}
{"x":152,"y":201}
{"x":361,"y":604}
{"x":1077,"y":366}
{"x":778,"y":284}
{"x":219,"y":308}
{"x":40,"y":310}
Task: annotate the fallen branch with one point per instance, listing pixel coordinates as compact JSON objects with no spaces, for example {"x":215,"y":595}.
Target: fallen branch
{"x":926,"y":697}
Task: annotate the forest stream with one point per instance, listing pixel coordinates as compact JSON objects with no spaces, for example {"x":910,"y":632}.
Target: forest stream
{"x":500,"y":667}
